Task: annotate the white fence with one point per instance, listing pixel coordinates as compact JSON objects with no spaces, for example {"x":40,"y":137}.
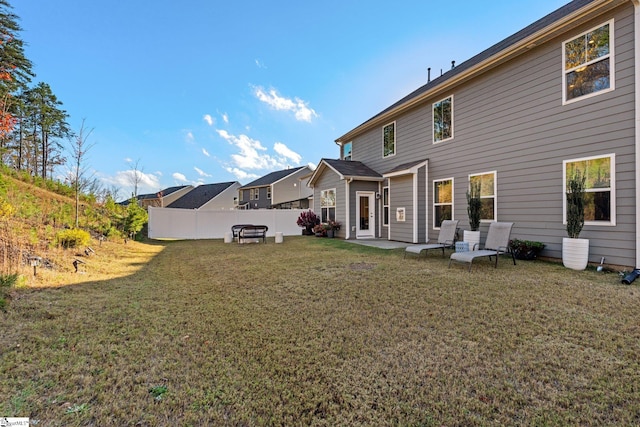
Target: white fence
{"x":165,"y":223}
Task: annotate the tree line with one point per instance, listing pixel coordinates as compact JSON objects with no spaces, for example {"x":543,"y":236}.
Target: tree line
{"x":33,"y":124}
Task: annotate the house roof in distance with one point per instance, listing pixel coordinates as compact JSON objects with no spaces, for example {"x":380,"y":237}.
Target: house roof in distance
{"x":200,"y":195}
{"x":271,"y":178}
{"x":167,"y":191}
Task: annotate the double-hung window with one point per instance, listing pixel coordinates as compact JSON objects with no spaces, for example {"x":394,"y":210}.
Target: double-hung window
{"x":599,"y":203}
{"x":588,"y":63}
{"x":488,"y":190}
{"x":442,"y":201}
{"x":328,"y":205}
{"x":389,"y":140}
{"x":346,"y":151}
{"x":443,"y":119}
{"x":269,"y":192}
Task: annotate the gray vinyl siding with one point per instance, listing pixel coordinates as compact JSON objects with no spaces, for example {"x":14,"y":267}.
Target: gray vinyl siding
{"x":290,"y":188}
{"x":511,"y":120}
{"x":401,"y":196}
{"x":327,"y":181}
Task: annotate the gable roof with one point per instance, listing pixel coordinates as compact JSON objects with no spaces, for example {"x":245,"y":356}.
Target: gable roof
{"x":150,"y":196}
{"x":346,"y":169}
{"x":534,"y":34}
{"x":271,"y":178}
{"x":200,"y":195}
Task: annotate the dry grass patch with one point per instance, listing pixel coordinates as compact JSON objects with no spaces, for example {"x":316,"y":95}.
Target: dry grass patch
{"x":323,"y":332}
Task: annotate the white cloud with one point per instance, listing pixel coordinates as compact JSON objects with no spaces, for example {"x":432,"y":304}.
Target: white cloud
{"x":299,"y":107}
{"x":207,"y":118}
{"x":201,"y":172}
{"x":240,"y":174}
{"x":189,"y":136}
{"x":126,"y":180}
{"x":260,"y":64}
{"x":225,"y":118}
{"x":286,"y":152}
{"x":206,"y":153}
{"x":179,"y":177}
{"x":250,"y":156}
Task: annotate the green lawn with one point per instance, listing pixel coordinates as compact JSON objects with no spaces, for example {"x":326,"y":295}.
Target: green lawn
{"x":323,"y":332}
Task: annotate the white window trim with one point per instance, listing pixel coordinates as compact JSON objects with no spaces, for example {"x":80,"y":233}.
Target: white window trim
{"x":612,"y":189}
{"x":395,"y":140}
{"x":388,"y":206}
{"x":443,"y":204}
{"x":335,"y":202}
{"x":495,"y":194}
{"x":351,"y":155}
{"x":612,"y":65}
{"x":269,"y":193}
{"x":433,"y":118}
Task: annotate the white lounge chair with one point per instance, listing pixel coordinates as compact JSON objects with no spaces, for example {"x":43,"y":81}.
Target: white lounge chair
{"x":446,"y":239}
{"x":497,"y":244}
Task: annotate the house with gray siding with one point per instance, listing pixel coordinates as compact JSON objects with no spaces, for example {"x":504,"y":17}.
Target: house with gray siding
{"x":218,"y":196}
{"x":559,"y":96}
{"x":283,"y":189}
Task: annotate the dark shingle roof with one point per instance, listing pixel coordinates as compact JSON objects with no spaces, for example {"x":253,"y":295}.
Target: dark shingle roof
{"x":484,"y":55}
{"x":165,"y":193}
{"x":200,"y":195}
{"x":405,"y":166}
{"x":351,"y":168}
{"x":272,"y":177}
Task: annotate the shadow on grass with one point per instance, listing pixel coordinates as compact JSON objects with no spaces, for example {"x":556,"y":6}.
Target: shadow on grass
{"x":320,"y":331}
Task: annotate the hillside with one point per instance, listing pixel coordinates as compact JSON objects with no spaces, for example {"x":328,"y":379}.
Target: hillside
{"x":33,"y":214}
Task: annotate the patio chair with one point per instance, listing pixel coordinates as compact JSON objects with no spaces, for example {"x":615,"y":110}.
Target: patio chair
{"x":497,"y":244}
{"x":446,"y":239}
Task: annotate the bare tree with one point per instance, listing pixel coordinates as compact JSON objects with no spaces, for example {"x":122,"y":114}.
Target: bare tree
{"x":135,"y":177}
{"x":79,"y":178}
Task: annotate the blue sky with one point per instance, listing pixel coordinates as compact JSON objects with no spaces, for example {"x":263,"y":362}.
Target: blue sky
{"x":203,"y":91}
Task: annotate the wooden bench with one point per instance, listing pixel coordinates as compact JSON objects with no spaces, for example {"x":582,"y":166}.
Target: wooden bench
{"x":235,"y":229}
{"x":253,"y":232}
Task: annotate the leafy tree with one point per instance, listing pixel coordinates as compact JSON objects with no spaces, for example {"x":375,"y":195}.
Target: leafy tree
{"x":49,"y":124}
{"x":136,"y":217}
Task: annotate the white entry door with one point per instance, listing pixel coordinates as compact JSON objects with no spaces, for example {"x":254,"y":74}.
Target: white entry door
{"x":366,"y":218}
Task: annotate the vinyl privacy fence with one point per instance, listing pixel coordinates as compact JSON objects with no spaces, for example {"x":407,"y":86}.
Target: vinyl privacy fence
{"x":165,"y":223}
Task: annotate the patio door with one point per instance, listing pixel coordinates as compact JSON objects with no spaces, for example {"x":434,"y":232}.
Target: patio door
{"x":366,"y":218}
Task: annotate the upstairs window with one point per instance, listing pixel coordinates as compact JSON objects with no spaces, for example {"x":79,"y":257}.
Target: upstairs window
{"x":599,"y":201}
{"x":442,"y":201}
{"x":588,"y":63}
{"x":488,"y":187}
{"x":346,"y":151}
{"x":389,"y":140}
{"x":443,"y":120}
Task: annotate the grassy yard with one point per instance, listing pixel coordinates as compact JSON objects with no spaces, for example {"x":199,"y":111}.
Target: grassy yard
{"x":320,"y":332}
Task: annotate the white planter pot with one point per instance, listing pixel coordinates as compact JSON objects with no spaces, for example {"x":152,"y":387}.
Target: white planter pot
{"x":575,"y":253}
{"x":473,"y":238}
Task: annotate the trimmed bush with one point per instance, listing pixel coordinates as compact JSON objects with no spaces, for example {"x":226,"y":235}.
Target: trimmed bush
{"x":72,"y":238}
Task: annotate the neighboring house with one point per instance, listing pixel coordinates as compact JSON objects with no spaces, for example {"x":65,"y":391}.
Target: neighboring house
{"x":560,"y":95}
{"x":209,"y":197}
{"x":162,"y":198}
{"x":284,"y":189}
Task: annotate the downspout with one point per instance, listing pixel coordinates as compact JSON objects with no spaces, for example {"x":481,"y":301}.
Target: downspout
{"x":636,"y":30}
{"x":347,"y":223}
{"x":415,"y":207}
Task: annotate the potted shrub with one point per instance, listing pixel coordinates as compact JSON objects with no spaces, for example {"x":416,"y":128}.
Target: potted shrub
{"x":575,"y":251}
{"x":320,"y":230}
{"x":525,"y":249}
{"x":333,"y":227}
{"x":307,"y":220}
{"x":474,"y":205}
